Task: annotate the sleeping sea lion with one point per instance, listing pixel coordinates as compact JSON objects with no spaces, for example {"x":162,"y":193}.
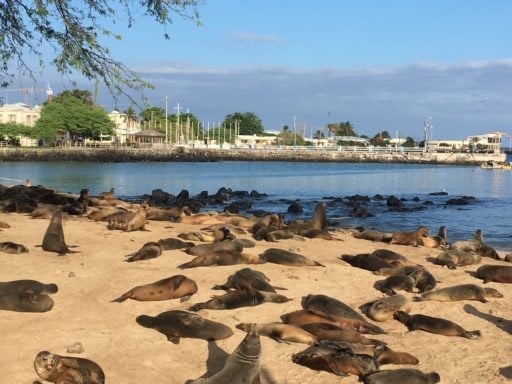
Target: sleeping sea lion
{"x":10,"y":247}
{"x":281,"y":332}
{"x":67,"y":370}
{"x":280,"y":256}
{"x":53,"y":240}
{"x":171,"y":243}
{"x":402,"y":376}
{"x":469,"y":245}
{"x":384,"y":309}
{"x":369,"y":234}
{"x":206,"y":249}
{"x":149,"y":250}
{"x":222,"y":258}
{"x":129,"y":221}
{"x":324,"y":305}
{"x":246,"y":279}
{"x":409,"y":238}
{"x":238,"y":298}
{"x":461,"y":292}
{"x":176,"y":324}
{"x":391,"y":284}
{"x":326,"y":331}
{"x":496,"y":273}
{"x":173,"y":287}
{"x":385,"y":355}
{"x":453,"y":258}
{"x":434,"y":325}
{"x":366,"y":261}
{"x":26,"y":302}
{"x":438,"y":241}
{"x":29,"y":286}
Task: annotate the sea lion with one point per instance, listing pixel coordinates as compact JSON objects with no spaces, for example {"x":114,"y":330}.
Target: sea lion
{"x":107,"y":195}
{"x":402,"y":376}
{"x":206,"y":249}
{"x":391,"y":284}
{"x":324,"y":305}
{"x":176,"y":324}
{"x":239,"y":298}
{"x":170,"y":214}
{"x":53,"y":240}
{"x":366,"y":261}
{"x":149,"y":250}
{"x":384,"y":309}
{"x":29,"y":286}
{"x":368,"y":234}
{"x":10,"y":247}
{"x":486,"y":250}
{"x":129,"y":221}
{"x":469,"y":245}
{"x":171,"y":243}
{"x":385,"y":355}
{"x":281,"y":332}
{"x":326,"y":331}
{"x":392,"y":257}
{"x":173,"y":287}
{"x":409,"y":238}
{"x":453,"y":258}
{"x":246,"y":279}
{"x":425,"y":281}
{"x":67,"y":370}
{"x":461,"y":292}
{"x":280,"y":256}
{"x":318,"y":221}
{"x":26,"y":302}
{"x":103,"y":213}
{"x":496,"y":273}
{"x":222,"y":258}
{"x":438,"y":241}
{"x":434,"y":325}
{"x":405,"y":270}
{"x":333,"y":358}
{"x":78,"y":207}
{"x":242,"y":366}
{"x":272,"y":221}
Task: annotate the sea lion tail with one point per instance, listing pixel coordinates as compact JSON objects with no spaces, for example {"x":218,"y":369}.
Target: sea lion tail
{"x":319,"y":264}
{"x":373,"y":329}
{"x":473,"y":334}
{"x":184,"y":266}
{"x":123,"y":297}
{"x":196,"y":307}
{"x":418,"y":298}
{"x":145,"y":321}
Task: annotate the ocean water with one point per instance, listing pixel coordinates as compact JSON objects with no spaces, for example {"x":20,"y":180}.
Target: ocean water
{"x":307,"y":183}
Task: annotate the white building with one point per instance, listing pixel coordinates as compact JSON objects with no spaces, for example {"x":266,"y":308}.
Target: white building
{"x":125,"y":128}
{"x":20,"y":113}
{"x":488,"y":142}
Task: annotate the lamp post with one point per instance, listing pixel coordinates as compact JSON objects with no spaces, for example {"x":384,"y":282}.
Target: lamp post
{"x":294,"y":132}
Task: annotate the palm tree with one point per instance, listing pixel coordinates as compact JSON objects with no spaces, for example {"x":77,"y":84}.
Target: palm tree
{"x":131,"y":116}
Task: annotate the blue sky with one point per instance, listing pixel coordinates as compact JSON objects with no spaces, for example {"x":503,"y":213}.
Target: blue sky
{"x":382,"y":65}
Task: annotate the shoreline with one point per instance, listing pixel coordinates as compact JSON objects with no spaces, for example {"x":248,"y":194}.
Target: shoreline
{"x":186,"y":154}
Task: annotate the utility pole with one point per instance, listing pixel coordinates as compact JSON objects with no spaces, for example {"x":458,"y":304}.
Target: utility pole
{"x":294,"y":132}
{"x":166,"y":126}
{"x":178,"y":126}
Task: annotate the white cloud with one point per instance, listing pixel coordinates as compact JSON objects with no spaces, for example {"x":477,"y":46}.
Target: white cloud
{"x":256,"y":38}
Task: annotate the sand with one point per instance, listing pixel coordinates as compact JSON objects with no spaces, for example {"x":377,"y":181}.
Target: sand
{"x":131,"y":354}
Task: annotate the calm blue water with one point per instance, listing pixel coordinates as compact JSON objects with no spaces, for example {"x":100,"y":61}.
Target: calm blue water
{"x":308,"y":182}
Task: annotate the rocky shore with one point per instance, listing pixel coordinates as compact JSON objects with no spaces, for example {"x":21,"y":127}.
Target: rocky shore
{"x":118,"y":155}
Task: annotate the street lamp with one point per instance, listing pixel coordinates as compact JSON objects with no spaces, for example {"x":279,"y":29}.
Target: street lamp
{"x":294,"y":132}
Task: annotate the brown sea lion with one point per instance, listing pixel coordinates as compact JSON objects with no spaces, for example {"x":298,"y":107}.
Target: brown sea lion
{"x":170,"y":214}
{"x":369,"y":234}
{"x":171,"y":243}
{"x":326,"y":331}
{"x":273,"y":221}
{"x":206,"y":249}
{"x":280,"y":256}
{"x":472,"y":245}
{"x":108,"y":194}
{"x":222,"y":258}
{"x":103,"y":213}
{"x":402,"y":376}
{"x":405,"y":270}
{"x":384,"y":309}
{"x":53,"y":240}
{"x":14,"y":248}
{"x":26,"y":302}
{"x":496,"y":273}
{"x":242,"y":366}
{"x":438,"y":241}
{"x":333,"y":358}
{"x":366,"y":261}
{"x":461,"y":292}
{"x":453,"y":258}
{"x":391,"y":284}
{"x":173,"y":287}
{"x":239,"y":298}
{"x":409,"y":238}
{"x":149,"y":250}
{"x":318,"y":221}
{"x":281,"y":332}
{"x":324,"y":305}
{"x":176,"y":324}
{"x":29,"y":286}
{"x":129,"y":221}
{"x":425,"y":281}
{"x":78,"y":207}
{"x":434,"y":325}
{"x":67,"y":370}
{"x":385,"y":355}
{"x":394,"y":258}
{"x":44,"y":211}
{"x":246,"y":279}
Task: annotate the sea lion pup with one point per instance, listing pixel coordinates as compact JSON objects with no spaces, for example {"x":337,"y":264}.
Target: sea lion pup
{"x":10,"y":247}
{"x":247,"y":279}
{"x":384,"y":309}
{"x":425,"y":281}
{"x":176,"y":324}
{"x":366,"y":261}
{"x":107,"y":195}
{"x":239,"y":298}
{"x":67,"y":370}
{"x":222,"y":258}
{"x":242,"y":366}
{"x":170,"y":214}
{"x":326,"y":331}
{"x":173,"y":287}
{"x":438,"y":241}
{"x":434,"y":325}
{"x":409,"y":238}
{"x":335,"y":358}
{"x":292,"y":259}
{"x":150,"y":250}
{"x":28,"y":286}
{"x":171,"y":243}
{"x":53,"y":240}
{"x":302,"y":317}
{"x":460,"y":292}
{"x":385,"y":355}
{"x":26,"y":302}
{"x":129,"y":221}
{"x":496,"y":273}
{"x":206,"y":249}
{"x":272,"y":221}
{"x":469,"y":245}
{"x":368,"y":234}
{"x":79,"y":207}
{"x":402,"y":376}
{"x":391,"y":284}
{"x":281,"y":332}
{"x":454,"y":258}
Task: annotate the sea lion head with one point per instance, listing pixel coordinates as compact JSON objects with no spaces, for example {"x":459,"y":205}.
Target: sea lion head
{"x":44,"y":363}
{"x":250,"y":347}
{"x":491,"y":292}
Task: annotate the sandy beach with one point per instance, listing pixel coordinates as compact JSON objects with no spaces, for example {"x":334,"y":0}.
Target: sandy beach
{"x":131,"y":354}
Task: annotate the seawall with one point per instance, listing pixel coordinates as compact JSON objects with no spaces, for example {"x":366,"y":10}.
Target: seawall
{"x":117,"y":155}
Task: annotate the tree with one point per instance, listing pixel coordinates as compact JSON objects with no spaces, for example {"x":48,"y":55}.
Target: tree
{"x":248,"y":123}
{"x":74,"y":115}
{"x":342,"y":129}
{"x":153,"y":118}
{"x":409,"y":142}
{"x":77,"y":31}
{"x":131,"y":116}
{"x":319,"y":135}
{"x":380,"y":139}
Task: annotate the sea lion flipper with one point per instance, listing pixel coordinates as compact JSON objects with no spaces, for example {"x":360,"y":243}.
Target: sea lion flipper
{"x":173,"y":339}
{"x":185,"y":298}
{"x":123,"y":297}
